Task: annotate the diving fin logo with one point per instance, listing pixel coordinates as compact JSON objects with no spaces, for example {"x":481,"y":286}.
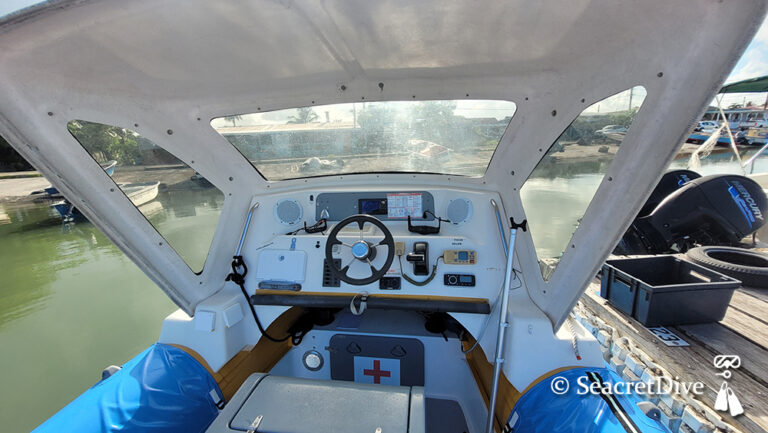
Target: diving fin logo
{"x":726,"y":399}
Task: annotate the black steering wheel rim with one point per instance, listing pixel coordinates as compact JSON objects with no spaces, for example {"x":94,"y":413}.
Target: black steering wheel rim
{"x":376,"y":274}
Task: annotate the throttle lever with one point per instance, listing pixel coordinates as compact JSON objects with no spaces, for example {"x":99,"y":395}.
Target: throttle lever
{"x":419,"y":257}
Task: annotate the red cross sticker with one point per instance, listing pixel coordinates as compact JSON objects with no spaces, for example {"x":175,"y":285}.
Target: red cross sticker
{"x":377,"y":372}
{"x":380,"y":371}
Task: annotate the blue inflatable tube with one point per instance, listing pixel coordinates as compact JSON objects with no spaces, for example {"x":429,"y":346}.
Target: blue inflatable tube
{"x":559,"y":404}
{"x":163,"y":389}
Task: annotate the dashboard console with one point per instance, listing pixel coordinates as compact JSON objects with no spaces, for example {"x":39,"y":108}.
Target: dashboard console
{"x":372,"y":246}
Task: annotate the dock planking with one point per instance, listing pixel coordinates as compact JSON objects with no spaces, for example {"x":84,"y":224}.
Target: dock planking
{"x":747,"y":303}
{"x":747,"y":326}
{"x":694,"y":362}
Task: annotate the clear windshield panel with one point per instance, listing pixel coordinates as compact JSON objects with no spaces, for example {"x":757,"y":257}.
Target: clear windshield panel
{"x":181,"y":204}
{"x":445,"y":137}
{"x":557,"y":193}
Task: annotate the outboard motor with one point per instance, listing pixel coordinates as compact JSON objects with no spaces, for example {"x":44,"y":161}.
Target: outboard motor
{"x":669,"y":183}
{"x":711,"y":210}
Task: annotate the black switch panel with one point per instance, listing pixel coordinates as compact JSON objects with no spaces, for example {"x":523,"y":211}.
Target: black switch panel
{"x":389,"y":283}
{"x":330,"y":279}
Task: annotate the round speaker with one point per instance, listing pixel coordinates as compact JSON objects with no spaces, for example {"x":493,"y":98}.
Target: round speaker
{"x":288,"y":211}
{"x":459,"y":211}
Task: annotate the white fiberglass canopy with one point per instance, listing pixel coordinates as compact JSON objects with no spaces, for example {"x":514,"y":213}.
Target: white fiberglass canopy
{"x":165,"y":69}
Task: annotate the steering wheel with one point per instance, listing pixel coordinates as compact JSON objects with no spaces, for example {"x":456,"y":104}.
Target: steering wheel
{"x":362,"y":250}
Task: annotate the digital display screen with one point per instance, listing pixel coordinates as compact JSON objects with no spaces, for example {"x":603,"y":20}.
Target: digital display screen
{"x":374,"y":206}
{"x":463,"y":255}
{"x":403,"y":205}
{"x":465,"y":279}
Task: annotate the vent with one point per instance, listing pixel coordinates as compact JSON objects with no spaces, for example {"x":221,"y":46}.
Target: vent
{"x":329,"y":279}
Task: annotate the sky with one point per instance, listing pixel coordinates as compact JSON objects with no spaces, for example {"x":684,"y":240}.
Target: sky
{"x":753,"y":63}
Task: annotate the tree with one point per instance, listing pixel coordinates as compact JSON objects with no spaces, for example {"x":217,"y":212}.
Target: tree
{"x":303,"y":115}
{"x":433,"y":121}
{"x":233,"y":119}
{"x":105,"y":142}
{"x":377,"y":126}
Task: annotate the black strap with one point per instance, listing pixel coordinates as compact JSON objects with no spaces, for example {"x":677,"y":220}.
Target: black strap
{"x":613,"y":403}
{"x":237,"y":276}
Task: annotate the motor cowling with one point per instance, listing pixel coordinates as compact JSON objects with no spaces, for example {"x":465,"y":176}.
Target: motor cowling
{"x":711,"y":210}
{"x":670,"y":182}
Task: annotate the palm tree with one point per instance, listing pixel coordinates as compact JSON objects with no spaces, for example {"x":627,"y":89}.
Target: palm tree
{"x":303,"y":115}
{"x":233,"y":119}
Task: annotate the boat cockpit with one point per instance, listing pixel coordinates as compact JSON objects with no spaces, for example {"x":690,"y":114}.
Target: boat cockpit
{"x":393,"y":206}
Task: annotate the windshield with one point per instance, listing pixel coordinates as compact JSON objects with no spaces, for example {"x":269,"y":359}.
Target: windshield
{"x":445,"y":137}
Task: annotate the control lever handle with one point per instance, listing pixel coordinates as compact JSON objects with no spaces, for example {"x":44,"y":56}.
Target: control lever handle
{"x":415,"y":257}
{"x":419,"y":257}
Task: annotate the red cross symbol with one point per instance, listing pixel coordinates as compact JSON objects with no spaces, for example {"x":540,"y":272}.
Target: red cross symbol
{"x":377,"y":372}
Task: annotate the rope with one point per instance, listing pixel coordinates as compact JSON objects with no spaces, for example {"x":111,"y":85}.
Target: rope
{"x":238,"y":277}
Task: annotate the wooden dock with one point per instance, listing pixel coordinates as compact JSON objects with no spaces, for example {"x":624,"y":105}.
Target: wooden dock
{"x":743,"y":332}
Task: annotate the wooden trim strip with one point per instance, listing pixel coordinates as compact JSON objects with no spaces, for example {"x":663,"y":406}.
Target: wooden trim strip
{"x":508,"y":395}
{"x":257,"y":359}
{"x":382,"y":301}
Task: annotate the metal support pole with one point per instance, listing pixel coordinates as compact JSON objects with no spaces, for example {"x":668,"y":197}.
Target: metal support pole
{"x":503,"y":325}
{"x":754,"y":157}
{"x":254,"y":206}
{"x":501,"y":227}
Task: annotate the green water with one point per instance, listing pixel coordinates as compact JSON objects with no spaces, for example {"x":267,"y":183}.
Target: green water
{"x":71,"y":304}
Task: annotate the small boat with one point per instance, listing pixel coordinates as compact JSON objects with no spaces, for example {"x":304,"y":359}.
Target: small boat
{"x":109,"y":167}
{"x":139,"y":194}
{"x":698,"y":137}
{"x":757,"y":136}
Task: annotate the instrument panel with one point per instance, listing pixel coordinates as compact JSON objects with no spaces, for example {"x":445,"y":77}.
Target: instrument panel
{"x":384,"y":205}
{"x":431,"y":254}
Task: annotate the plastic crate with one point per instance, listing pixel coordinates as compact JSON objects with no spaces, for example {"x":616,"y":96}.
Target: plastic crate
{"x":666,"y":290}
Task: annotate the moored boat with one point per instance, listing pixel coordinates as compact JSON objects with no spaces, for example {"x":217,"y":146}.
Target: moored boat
{"x":139,"y":193}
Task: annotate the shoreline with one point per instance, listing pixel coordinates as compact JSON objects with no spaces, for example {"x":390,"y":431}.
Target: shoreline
{"x":19,"y":186}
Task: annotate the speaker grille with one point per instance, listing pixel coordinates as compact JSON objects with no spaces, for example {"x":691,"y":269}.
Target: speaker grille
{"x":288,"y":212}
{"x":459,"y":211}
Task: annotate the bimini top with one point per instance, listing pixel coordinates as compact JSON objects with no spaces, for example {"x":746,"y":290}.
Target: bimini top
{"x":751,"y":85}
{"x":260,"y":97}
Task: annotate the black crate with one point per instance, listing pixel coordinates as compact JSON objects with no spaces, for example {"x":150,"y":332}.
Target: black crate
{"x":666,"y":290}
